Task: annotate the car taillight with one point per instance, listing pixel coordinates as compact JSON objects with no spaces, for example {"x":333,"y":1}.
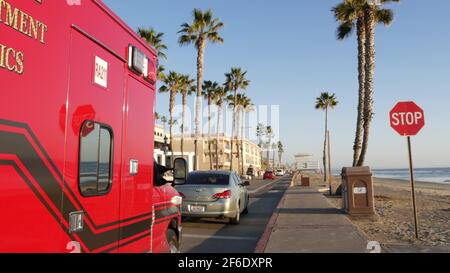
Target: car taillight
{"x":223,"y":195}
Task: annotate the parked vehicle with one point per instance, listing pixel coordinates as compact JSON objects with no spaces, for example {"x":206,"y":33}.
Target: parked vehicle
{"x":269,"y":175}
{"x":77,"y":172}
{"x":214,"y":194}
{"x":279,"y":172}
{"x":250,"y":173}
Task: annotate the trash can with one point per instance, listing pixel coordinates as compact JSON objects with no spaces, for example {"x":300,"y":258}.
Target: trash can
{"x":305,"y":181}
{"x":357,"y":191}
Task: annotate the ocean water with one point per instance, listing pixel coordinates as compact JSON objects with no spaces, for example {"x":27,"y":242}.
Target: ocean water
{"x":434,"y":175}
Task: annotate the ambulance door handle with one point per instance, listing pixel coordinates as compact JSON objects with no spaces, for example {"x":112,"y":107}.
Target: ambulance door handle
{"x":134,"y":167}
{"x":76,"y":222}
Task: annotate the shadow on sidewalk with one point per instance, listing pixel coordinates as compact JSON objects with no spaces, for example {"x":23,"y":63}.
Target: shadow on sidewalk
{"x":310,"y":211}
{"x":302,"y":193}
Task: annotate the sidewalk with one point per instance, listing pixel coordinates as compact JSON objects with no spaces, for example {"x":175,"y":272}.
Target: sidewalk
{"x":305,"y":222}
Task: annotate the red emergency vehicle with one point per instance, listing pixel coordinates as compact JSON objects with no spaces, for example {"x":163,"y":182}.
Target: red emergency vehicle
{"x":77,"y":95}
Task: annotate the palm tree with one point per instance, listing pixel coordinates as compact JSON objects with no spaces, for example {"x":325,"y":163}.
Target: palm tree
{"x":260,"y":133}
{"x":219,"y":97}
{"x":203,"y":28}
{"x":235,"y":81}
{"x":238,"y":103}
{"x":373,"y":14}
{"x":351,"y":14}
{"x":171,"y":84}
{"x":269,"y":135}
{"x":155,"y":39}
{"x":325,"y":102}
{"x":274,"y":148}
{"x":209,"y":88}
{"x":157,"y":117}
{"x":186,"y":89}
{"x":246,"y":107}
{"x":164,"y":122}
{"x":280,"y":152}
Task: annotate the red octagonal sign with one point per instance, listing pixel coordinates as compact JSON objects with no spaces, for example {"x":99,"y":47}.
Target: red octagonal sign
{"x":407,"y":118}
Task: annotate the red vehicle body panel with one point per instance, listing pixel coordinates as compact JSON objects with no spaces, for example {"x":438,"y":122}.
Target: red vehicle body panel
{"x":269,"y":175}
{"x":47,"y":66}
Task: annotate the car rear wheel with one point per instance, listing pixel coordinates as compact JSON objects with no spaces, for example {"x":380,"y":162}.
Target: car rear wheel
{"x":235,"y":220}
{"x":172,"y":241}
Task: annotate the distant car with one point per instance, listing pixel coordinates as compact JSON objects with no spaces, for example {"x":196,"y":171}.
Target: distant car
{"x":214,"y":194}
{"x":279,"y":173}
{"x":269,"y":175}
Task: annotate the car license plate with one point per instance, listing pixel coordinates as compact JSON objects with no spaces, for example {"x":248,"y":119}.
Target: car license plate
{"x":197,"y":208}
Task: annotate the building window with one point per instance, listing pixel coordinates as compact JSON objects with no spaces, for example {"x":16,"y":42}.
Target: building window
{"x":95,"y":162}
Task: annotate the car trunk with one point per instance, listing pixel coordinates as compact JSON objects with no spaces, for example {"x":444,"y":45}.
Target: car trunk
{"x":201,"y":193}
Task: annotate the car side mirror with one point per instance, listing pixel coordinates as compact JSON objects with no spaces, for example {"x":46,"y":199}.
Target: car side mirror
{"x":179,"y":171}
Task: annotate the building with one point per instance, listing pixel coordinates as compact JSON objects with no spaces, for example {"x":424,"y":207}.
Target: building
{"x":163,"y":153}
{"x":306,"y":162}
{"x":251,"y":153}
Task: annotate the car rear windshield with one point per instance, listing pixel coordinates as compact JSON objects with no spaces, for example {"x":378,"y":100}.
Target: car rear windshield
{"x":207,"y":179}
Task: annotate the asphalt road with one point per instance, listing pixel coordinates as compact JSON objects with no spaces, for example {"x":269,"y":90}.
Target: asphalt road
{"x":217,"y":236}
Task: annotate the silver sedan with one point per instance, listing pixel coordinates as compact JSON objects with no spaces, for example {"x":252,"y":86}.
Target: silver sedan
{"x":214,"y":194}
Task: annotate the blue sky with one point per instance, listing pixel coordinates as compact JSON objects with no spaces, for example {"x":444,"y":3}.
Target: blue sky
{"x":291,"y":54}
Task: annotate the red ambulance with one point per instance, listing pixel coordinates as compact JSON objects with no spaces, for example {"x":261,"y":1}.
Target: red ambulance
{"x":77,"y":96}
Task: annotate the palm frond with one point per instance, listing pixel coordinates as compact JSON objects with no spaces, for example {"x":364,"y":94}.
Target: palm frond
{"x":385,"y":16}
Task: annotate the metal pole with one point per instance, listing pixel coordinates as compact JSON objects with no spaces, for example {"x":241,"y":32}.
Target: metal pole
{"x":330,"y":178}
{"x":413,"y":191}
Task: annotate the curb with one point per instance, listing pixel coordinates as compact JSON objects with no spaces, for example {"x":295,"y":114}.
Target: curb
{"x":262,"y":243}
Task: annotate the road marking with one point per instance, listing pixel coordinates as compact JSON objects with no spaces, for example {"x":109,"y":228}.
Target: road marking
{"x":195,"y":236}
{"x":275,"y":191}
{"x":265,"y":186}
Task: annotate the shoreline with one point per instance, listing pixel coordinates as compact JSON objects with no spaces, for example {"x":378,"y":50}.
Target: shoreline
{"x":416,"y":181}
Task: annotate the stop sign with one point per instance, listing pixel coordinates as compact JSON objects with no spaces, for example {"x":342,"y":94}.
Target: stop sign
{"x":407,"y":118}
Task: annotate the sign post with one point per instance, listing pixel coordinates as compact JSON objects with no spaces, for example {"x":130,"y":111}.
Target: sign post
{"x":408,"y":119}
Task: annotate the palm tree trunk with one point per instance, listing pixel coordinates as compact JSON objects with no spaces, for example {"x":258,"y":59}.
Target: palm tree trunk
{"x":238,"y":146}
{"x":280,"y":155}
{"x":370,"y":71}
{"x":209,"y":133}
{"x":198,"y":110}
{"x":219,"y":116}
{"x":171,"y":106}
{"x":242,"y":141}
{"x":325,"y":147}
{"x":183,"y":122}
{"x":234,"y":129}
{"x":273,"y":158}
{"x":361,"y":33}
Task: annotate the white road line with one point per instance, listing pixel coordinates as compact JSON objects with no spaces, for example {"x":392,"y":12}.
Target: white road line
{"x":262,"y":187}
{"x":195,"y":236}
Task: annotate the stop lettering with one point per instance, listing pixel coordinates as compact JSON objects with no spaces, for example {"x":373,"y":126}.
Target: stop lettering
{"x":407,"y":118}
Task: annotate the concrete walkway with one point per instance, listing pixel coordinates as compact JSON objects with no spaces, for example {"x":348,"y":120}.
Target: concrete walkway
{"x":305,"y":222}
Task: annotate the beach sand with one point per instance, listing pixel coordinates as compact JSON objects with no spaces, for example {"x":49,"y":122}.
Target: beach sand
{"x":392,"y":225}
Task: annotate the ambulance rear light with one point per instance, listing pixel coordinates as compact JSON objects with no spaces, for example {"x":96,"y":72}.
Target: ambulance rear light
{"x":137,"y":61}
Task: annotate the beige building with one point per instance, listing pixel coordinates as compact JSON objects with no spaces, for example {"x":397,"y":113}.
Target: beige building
{"x":163,"y":153}
{"x":251,"y":152}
